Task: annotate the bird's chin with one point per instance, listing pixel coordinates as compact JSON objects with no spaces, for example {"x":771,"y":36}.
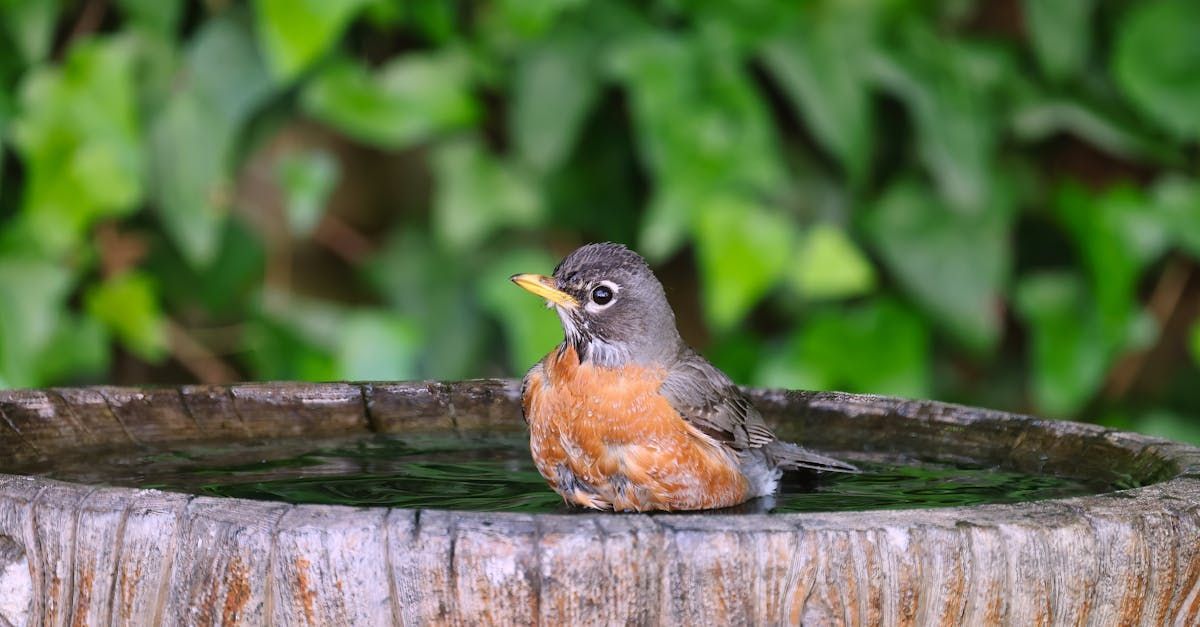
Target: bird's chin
{"x":570,"y":328}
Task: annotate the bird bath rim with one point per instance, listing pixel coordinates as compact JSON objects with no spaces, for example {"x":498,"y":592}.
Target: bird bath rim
{"x":108,"y":417}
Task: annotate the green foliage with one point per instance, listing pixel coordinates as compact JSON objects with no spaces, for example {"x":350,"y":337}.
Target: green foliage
{"x":295,"y":33}
{"x":405,"y":102}
{"x":128,"y":306}
{"x":79,"y":136}
{"x":1157,"y":64}
{"x":896,"y":197}
{"x":955,"y":264}
{"x":881,"y":347}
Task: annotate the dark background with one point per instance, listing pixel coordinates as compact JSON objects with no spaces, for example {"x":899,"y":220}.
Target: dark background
{"x":990,"y":202}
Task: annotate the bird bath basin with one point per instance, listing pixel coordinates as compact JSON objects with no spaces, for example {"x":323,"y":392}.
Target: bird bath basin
{"x":85,"y":550}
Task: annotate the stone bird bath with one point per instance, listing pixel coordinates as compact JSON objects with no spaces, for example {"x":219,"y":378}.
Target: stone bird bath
{"x":78,"y":554}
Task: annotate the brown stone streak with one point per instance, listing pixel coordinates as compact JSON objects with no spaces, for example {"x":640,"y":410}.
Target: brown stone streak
{"x":86,"y":578}
{"x":237,"y":591}
{"x":129,"y":587}
{"x":304,"y":593}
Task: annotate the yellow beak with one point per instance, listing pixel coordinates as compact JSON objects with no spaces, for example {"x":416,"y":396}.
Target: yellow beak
{"x":546,"y":287}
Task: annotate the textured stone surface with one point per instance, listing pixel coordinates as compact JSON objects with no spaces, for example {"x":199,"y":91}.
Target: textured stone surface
{"x":72,"y":554}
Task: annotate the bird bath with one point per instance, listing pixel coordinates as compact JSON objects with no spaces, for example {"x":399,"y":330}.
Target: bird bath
{"x":73,"y":552}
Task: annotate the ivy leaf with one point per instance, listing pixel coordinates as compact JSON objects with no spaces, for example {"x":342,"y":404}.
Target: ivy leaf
{"x":1040,"y":119}
{"x":879,"y":348}
{"x":128,"y":305}
{"x":447,"y":311}
{"x":527,"y":19}
{"x":1117,"y":234}
{"x":307,"y":180}
{"x":408,"y":101}
{"x":530,"y":329}
{"x":1061,"y":34}
{"x":294,"y":33}
{"x":1157,"y":63}
{"x":1195,"y":342}
{"x":1069,"y":349}
{"x":829,"y":265}
{"x":554,"y":87}
{"x":1178,"y":200}
{"x":702,"y":130}
{"x":477,"y":194}
{"x":956,"y":265}
{"x":743,"y":249}
{"x":1167,"y":424}
{"x":377,"y":346}
{"x":161,"y":16}
{"x":193,"y":139}
{"x":30,"y":24}
{"x":79,"y":348}
{"x":948,"y":88}
{"x":32,"y":298}
{"x":78,"y":134}
{"x":823,"y":70}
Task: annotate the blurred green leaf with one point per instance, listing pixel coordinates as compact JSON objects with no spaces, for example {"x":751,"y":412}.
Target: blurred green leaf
{"x":377,"y":346}
{"x":829,"y":265}
{"x":32,"y":298}
{"x":554,"y":86}
{"x":1195,"y":341}
{"x":1042,"y":118}
{"x":1157,"y":63}
{"x":223,"y":289}
{"x":880,"y":348}
{"x":742,"y":251}
{"x":157,"y":15}
{"x":1061,"y":34}
{"x":956,"y":265}
{"x":434,"y":19}
{"x":530,"y":329}
{"x":194,"y":138}
{"x":406,"y":102}
{"x":822,"y":67}
{"x":277,"y":352}
{"x":30,"y":24}
{"x":699,"y":119}
{"x":525,"y":19}
{"x":307,"y":180}
{"x":78,"y":134}
{"x":1117,"y":234}
{"x":128,"y":305}
{"x":702,"y":131}
{"x":78,"y":348}
{"x":1170,"y":425}
{"x":477,"y":194}
{"x":1069,"y":351}
{"x":318,"y":322}
{"x":295,"y":33}
{"x":435,"y":289}
{"x":666,"y":224}
{"x":1178,"y":200}
{"x":948,"y":87}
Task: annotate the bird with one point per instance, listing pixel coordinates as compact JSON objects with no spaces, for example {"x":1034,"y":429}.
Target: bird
{"x":624,"y":415}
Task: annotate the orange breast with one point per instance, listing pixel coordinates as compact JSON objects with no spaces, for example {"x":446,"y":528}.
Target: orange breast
{"x":605,"y":438}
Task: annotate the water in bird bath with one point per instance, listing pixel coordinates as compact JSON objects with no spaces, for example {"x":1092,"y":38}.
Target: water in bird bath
{"x":496,"y":474}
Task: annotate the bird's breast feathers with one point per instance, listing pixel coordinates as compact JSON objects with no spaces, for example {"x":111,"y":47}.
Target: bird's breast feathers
{"x":607,"y":438}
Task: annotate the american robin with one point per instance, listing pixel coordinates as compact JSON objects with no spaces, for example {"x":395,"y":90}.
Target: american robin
{"x":624,"y":415}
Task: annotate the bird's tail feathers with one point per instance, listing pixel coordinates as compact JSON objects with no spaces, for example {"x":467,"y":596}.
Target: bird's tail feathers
{"x":788,"y":455}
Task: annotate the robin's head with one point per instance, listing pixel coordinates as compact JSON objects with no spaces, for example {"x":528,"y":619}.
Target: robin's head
{"x":613,"y":309}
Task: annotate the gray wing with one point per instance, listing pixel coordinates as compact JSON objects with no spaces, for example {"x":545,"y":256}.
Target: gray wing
{"x":708,"y":399}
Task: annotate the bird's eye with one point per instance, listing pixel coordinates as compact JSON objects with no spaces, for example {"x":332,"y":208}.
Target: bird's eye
{"x":602,"y":295}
